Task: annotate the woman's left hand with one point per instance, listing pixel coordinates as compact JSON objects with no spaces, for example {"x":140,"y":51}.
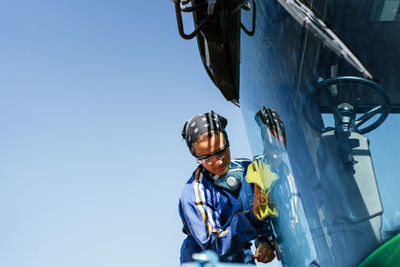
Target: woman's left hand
{"x":264,"y":253}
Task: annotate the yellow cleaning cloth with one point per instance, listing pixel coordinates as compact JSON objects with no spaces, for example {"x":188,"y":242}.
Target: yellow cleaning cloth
{"x":260,"y":174}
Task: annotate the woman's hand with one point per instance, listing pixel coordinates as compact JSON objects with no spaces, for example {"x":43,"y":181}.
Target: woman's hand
{"x":258,"y":198}
{"x":264,"y":253}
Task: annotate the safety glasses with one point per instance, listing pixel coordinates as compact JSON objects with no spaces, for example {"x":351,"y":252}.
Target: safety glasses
{"x":219,"y":154}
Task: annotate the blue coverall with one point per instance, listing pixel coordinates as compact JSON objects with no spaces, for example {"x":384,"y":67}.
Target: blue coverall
{"x":216,"y":215}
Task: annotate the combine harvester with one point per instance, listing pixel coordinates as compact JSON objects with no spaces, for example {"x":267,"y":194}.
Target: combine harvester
{"x":305,"y":59}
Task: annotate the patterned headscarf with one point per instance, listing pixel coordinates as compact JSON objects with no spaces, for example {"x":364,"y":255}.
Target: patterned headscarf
{"x":269,"y":118}
{"x":201,"y":124}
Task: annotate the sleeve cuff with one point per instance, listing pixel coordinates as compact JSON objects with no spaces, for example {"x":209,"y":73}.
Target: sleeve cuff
{"x":253,"y":220}
{"x":264,"y":233}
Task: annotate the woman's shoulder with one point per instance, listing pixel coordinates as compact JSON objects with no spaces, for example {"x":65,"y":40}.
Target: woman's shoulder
{"x":197,"y":175}
{"x":197,"y":179}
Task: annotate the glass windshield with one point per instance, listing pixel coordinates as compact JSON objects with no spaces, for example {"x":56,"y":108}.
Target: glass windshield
{"x":337,"y":186}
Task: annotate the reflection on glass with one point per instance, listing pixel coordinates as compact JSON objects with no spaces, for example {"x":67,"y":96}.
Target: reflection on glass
{"x":290,"y":223}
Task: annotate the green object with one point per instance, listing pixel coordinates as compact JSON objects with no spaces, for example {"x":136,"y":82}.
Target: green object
{"x":387,"y":255}
{"x":260,"y":174}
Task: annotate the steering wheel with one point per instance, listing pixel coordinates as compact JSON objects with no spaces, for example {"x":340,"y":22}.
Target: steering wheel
{"x":339,"y":113}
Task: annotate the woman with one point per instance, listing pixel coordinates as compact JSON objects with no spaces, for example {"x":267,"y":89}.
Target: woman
{"x":216,"y":202}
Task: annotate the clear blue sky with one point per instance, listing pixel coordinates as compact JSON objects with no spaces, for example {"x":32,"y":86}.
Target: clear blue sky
{"x":93,"y":95}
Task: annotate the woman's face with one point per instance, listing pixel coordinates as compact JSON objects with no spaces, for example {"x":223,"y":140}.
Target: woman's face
{"x":274,"y":146}
{"x":219,"y":163}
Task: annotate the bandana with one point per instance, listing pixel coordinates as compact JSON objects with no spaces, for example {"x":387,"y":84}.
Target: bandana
{"x":201,"y":124}
{"x":269,"y":118}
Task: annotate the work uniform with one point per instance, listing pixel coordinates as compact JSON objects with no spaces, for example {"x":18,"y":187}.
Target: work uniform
{"x":216,"y":215}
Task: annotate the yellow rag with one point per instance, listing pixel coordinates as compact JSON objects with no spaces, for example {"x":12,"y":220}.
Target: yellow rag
{"x":260,"y":174}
